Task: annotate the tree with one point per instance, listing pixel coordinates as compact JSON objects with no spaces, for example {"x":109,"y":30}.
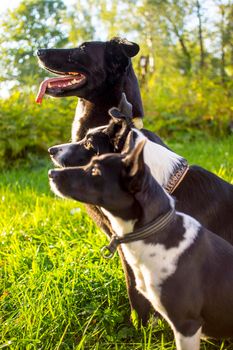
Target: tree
{"x":79,"y":22}
{"x":200,"y":34}
{"x":225,"y":32}
{"x":32,"y":25}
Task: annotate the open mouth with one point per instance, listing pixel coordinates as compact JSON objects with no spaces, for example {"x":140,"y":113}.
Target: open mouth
{"x":65,"y":82}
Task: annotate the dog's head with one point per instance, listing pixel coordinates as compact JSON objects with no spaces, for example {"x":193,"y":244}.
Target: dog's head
{"x":109,"y":181}
{"x":117,"y":137}
{"x":86,"y":70}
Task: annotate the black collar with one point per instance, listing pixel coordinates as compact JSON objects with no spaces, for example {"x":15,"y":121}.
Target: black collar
{"x":142,"y":233}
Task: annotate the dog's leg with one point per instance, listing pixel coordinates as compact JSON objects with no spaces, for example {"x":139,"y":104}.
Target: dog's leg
{"x":137,"y":301}
{"x":188,"y":343}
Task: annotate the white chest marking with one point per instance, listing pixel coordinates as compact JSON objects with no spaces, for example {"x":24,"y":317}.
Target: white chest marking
{"x":187,"y":343}
{"x":79,"y":112}
{"x":153,"y":264}
{"x":119,"y":226}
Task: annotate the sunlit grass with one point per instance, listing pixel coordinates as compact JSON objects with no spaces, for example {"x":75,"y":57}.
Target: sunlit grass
{"x":56,"y":291}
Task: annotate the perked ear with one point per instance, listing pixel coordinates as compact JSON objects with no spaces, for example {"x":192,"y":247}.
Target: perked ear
{"x":129,"y":144}
{"x":134,"y":161}
{"x":115,"y":113}
{"x":124,"y":111}
{"x":125,"y":106}
{"x":129,"y":48}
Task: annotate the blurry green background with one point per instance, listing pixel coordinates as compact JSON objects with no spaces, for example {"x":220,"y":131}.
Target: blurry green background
{"x":185,"y":66}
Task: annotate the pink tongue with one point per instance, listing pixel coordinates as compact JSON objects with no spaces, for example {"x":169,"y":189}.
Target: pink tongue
{"x":54,"y":82}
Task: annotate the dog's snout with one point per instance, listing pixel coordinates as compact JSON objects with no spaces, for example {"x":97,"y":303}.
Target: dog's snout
{"x":52,"y":174}
{"x":53,"y":150}
{"x":41,"y":52}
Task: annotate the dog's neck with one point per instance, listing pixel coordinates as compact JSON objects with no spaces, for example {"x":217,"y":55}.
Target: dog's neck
{"x":161,"y":161}
{"x":153,"y":202}
{"x":93,"y":112}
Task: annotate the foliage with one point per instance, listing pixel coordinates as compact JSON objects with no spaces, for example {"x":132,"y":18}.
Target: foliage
{"x":176,"y":106}
{"x":35,"y":24}
{"x":186,"y":83}
{"x":56,"y":291}
{"x":27,"y":128}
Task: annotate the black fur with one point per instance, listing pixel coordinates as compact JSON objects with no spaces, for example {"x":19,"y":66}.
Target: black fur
{"x":201,"y":194}
{"x":108,"y":139}
{"x":108,"y":70}
{"x":202,"y":283}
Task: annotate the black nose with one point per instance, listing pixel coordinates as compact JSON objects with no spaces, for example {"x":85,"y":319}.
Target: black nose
{"x":53,"y":174}
{"x":41,"y":53}
{"x":53,"y":150}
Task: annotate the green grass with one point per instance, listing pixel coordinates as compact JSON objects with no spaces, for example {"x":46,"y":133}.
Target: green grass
{"x":56,"y":291}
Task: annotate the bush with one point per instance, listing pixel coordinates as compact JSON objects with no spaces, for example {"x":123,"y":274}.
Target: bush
{"x":27,"y":128}
{"x":175,"y":106}
{"x":178,"y":105}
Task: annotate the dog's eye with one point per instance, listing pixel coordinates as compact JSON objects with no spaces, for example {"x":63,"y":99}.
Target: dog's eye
{"x":82,"y":47}
{"x":88,"y":145}
{"x":95,"y":171}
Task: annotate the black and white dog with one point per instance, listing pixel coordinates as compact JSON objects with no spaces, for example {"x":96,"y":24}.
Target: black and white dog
{"x":183,"y":269}
{"x":201,"y":193}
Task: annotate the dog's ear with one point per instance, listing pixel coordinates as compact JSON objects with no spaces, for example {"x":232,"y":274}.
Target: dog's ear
{"x":125,"y":107}
{"x":117,"y":130}
{"x":129,"y":144}
{"x":117,"y":57}
{"x":116,"y":114}
{"x":130,"y":48}
{"x":124,"y":111}
{"x":134,"y":168}
{"x":115,"y":126}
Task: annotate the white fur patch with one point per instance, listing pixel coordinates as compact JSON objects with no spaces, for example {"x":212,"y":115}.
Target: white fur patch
{"x":62,"y":149}
{"x":153,"y":264}
{"x":119,"y":226}
{"x":188,"y":343}
{"x":55,"y":189}
{"x":79,"y":113}
{"x":159,"y":159}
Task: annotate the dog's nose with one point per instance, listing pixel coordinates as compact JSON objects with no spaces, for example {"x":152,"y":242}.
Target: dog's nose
{"x":52,"y":174}
{"x":53,"y":150}
{"x":41,"y":53}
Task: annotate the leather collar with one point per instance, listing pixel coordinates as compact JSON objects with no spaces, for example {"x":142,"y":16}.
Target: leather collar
{"x":176,"y":178}
{"x":143,"y":232}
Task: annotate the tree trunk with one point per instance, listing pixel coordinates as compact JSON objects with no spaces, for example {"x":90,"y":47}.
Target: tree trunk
{"x":222,"y":33}
{"x":200,"y":35}
{"x":183,"y":47}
